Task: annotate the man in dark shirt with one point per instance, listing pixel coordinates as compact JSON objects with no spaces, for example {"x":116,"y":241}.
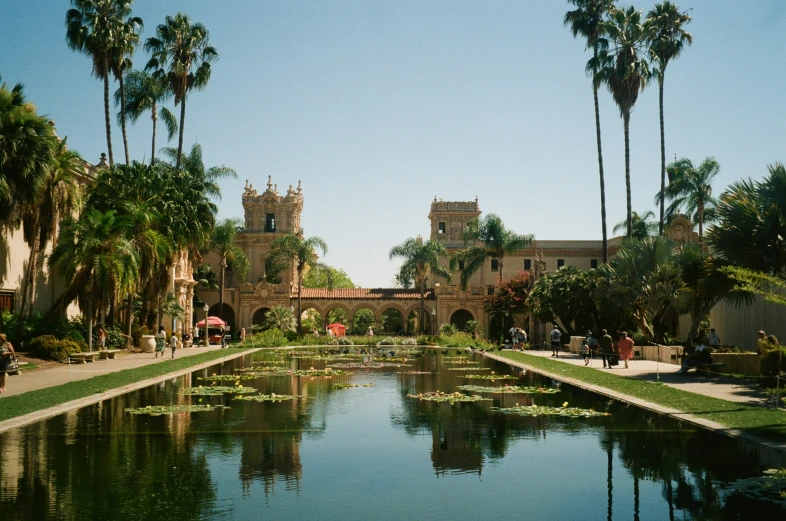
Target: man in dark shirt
{"x":606,"y":348}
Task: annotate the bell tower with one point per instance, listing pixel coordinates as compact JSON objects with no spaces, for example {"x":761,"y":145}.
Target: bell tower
{"x":449,"y":219}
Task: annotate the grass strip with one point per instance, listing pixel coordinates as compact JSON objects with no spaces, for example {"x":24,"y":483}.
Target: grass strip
{"x":33,"y":401}
{"x":769,"y":424}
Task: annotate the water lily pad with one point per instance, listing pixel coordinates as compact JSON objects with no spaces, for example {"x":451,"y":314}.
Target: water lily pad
{"x":370,"y":365}
{"x":509,"y":389}
{"x":416,"y":372}
{"x":539,"y":410}
{"x":469,"y":368}
{"x":347,"y":386}
{"x":268,"y":397}
{"x":158,"y":410}
{"x":439,"y":396}
{"x":217,"y":390}
{"x":491,"y":377}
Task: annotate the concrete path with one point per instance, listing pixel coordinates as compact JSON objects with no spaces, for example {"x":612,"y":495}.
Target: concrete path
{"x":64,"y":373}
{"x":716,"y":386}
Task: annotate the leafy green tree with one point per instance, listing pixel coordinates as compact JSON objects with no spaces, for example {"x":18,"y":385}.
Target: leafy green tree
{"x":626,"y":73}
{"x":690,"y":190}
{"x":474,"y":328}
{"x":421,"y":259}
{"x":511,"y":295}
{"x":181,"y":55}
{"x":92,"y":28}
{"x":644,"y":281}
{"x":59,"y":196}
{"x":642,"y":226}
{"x":362,"y":320}
{"x":567,"y":295}
{"x":666,"y":41}
{"x":302,"y":252}
{"x":487,"y":237}
{"x":329,"y":277}
{"x":222,"y":242}
{"x":143,"y":92}
{"x":586,"y":21}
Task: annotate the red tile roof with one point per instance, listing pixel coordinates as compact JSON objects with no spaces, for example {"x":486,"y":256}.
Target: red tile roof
{"x":363,"y":293}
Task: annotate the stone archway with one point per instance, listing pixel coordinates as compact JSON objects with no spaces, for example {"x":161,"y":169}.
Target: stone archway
{"x":258,"y":318}
{"x":362,"y":319}
{"x":460,"y":317}
{"x":392,"y":321}
{"x":227,"y":314}
{"x":338,"y":314}
{"x":312,"y":320}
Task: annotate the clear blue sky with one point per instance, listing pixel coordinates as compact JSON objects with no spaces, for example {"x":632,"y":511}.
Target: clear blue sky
{"x":379,"y":106}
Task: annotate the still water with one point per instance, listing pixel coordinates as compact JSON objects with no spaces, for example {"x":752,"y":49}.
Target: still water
{"x":372,"y":453}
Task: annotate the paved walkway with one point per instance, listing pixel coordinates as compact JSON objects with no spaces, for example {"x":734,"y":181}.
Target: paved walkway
{"x":716,"y":386}
{"x":64,"y":373}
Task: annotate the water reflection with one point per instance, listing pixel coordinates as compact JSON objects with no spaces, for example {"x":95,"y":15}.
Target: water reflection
{"x":100,"y":462}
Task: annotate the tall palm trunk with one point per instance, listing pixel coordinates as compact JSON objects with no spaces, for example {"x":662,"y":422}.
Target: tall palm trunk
{"x":129,"y":318}
{"x":90,"y":323}
{"x":662,"y":155}
{"x":106,"y":115}
{"x":35,"y":253}
{"x":182,"y":127}
{"x":123,"y":116}
{"x":701,"y":222}
{"x":221,"y":291}
{"x":602,"y":180}
{"x":423,"y":305}
{"x":626,"y":123}
{"x":155,"y":119}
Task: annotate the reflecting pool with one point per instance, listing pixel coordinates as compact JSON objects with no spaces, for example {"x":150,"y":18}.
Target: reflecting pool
{"x":370,"y":452}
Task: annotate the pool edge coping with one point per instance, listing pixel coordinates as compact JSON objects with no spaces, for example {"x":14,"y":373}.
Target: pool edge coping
{"x":49,"y":412}
{"x":660,"y":409}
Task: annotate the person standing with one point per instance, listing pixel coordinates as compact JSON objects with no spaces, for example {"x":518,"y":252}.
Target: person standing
{"x":6,"y":352}
{"x":369,"y":331}
{"x":713,"y":339}
{"x":160,"y":340}
{"x":585,"y":351}
{"x":242,"y":334}
{"x":555,"y":338}
{"x":101,"y":338}
{"x":172,"y":344}
{"x":625,"y":348}
{"x":606,"y":348}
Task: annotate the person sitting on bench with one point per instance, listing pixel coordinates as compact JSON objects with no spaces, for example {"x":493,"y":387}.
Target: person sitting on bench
{"x":700,"y":355}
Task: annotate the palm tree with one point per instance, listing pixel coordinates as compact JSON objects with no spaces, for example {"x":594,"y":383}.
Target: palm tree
{"x":420,"y":260}
{"x":126,"y":41}
{"x":92,"y":28}
{"x":690,"y":190}
{"x":142,"y":93}
{"x":626,"y":73}
{"x":642,"y":225}
{"x":666,"y":42}
{"x":280,"y":317}
{"x":182,"y":56}
{"x":303,"y":252}
{"x":586,"y":21}
{"x":194,"y":164}
{"x":95,"y":259}
{"x":222,"y":242}
{"x":490,"y":239}
{"x":59,"y":197}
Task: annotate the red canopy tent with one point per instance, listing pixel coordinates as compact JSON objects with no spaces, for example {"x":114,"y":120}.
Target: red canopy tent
{"x":211,"y":322}
{"x":338,"y":329}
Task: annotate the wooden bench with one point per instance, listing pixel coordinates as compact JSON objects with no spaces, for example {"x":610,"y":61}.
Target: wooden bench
{"x":82,"y":358}
{"x":709,"y":366}
{"x":109,"y":354}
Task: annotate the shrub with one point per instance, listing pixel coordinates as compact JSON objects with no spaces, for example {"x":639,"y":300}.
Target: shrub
{"x":428,"y":340}
{"x":448,"y":329}
{"x":409,"y":342}
{"x":387,"y":341}
{"x":269,"y":338}
{"x":344,"y":341}
{"x":50,"y":348}
{"x":464,"y":340}
{"x":115,"y":339}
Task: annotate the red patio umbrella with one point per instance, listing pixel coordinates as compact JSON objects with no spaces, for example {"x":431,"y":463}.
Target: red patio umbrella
{"x":338,"y":329}
{"x":212,"y":322}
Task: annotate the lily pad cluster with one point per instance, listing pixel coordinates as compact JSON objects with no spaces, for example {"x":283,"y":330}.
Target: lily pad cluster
{"x":226,"y":377}
{"x":158,"y":410}
{"x":539,"y":410}
{"x":416,"y":372}
{"x":461,"y":362}
{"x":439,"y":396}
{"x":347,"y":386}
{"x":370,"y":365}
{"x":469,"y":368}
{"x":509,"y":389}
{"x":268,"y":362}
{"x":491,"y":376}
{"x":273,"y":397}
{"x":769,"y":487}
{"x":218,"y":390}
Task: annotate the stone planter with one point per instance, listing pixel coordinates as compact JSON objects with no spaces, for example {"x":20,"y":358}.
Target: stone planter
{"x":148,"y":343}
{"x":738,"y":363}
{"x":664,"y":354}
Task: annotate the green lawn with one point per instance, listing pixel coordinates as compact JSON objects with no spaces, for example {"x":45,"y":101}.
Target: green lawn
{"x":32,"y":401}
{"x":769,"y":424}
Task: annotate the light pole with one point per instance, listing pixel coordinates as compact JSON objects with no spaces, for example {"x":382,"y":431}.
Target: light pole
{"x":207,"y":340}
{"x":433,"y":321}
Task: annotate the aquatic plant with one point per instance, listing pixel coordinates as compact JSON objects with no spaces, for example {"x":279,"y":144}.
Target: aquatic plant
{"x":158,"y":410}
{"x":469,"y":369}
{"x":462,"y":361}
{"x":439,"y":396}
{"x":769,"y":487}
{"x":509,"y":389}
{"x":491,"y":376}
{"x":369,"y":365}
{"x":540,"y":410}
{"x":218,"y":390}
{"x":273,"y":397}
{"x":416,"y":372}
{"x":347,"y":386}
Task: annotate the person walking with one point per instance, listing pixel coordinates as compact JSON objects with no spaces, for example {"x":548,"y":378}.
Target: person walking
{"x":160,"y":340}
{"x":592,"y":344}
{"x":585,"y":351}
{"x":555,"y":337}
{"x":606,"y":348}
{"x":625,"y":348}
{"x":6,"y":352}
{"x":172,"y":344}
